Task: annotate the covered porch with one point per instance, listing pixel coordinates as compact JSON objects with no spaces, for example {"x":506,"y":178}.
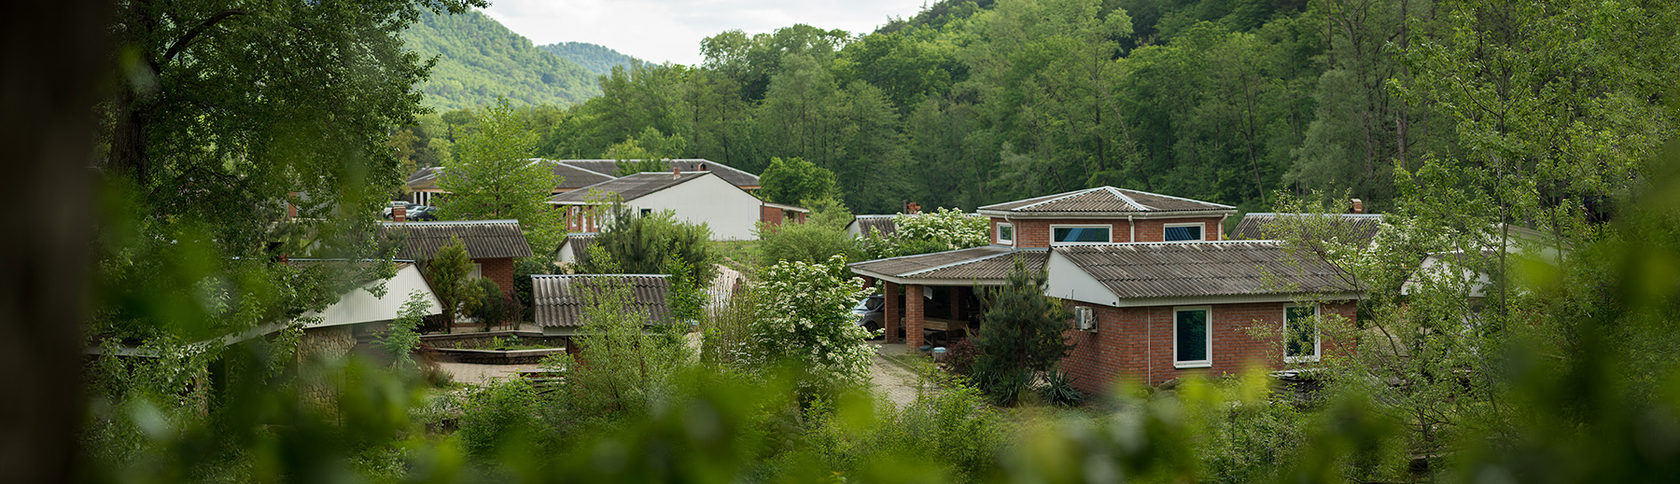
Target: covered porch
{"x":939,"y":292}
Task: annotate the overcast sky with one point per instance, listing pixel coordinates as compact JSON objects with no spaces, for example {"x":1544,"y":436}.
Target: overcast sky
{"x":670,"y":30}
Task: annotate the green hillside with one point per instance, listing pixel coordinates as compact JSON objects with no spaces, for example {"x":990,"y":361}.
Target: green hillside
{"x":479,"y":59}
{"x":598,"y":59}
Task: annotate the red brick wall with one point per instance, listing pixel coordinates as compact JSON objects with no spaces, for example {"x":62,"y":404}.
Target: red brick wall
{"x":1136,"y":344}
{"x":770,"y":215}
{"x":500,"y":271}
{"x":914,"y":306}
{"x":1036,"y":232}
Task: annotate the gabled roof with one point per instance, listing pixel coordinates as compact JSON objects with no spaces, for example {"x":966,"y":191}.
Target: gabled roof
{"x":1103,"y":200}
{"x":484,"y":239}
{"x":424,"y":178}
{"x":1164,"y":270}
{"x":563,"y":300}
{"x":579,"y":243}
{"x":1352,"y":228}
{"x":628,"y":188}
{"x":727,"y":173}
{"x":978,"y":265}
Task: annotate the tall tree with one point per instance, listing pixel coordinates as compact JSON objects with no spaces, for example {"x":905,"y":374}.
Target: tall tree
{"x":495,"y":177}
{"x":1020,"y":337}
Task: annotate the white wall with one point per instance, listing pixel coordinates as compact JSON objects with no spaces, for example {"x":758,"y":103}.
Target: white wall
{"x":1068,"y":281}
{"x":729,"y":211}
{"x":358,"y":306}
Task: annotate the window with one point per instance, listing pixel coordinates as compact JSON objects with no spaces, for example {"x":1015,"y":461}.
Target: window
{"x":477,"y":271}
{"x":1006,"y":233}
{"x":1300,"y":333}
{"x":1178,"y":232}
{"x":1080,"y":234}
{"x":647,"y":212}
{"x":1192,"y":341}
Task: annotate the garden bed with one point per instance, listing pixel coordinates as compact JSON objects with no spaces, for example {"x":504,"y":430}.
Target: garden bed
{"x":495,"y":347}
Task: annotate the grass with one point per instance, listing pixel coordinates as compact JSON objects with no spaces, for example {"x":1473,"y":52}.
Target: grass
{"x":740,"y":255}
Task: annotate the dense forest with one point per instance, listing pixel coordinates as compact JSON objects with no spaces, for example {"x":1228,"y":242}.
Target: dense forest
{"x":972,"y":102}
{"x":478,"y":60}
{"x":597,"y":59}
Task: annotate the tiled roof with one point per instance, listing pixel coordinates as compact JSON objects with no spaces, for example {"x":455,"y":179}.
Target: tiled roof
{"x":727,"y":173}
{"x":580,"y":242}
{"x":1191,"y":269}
{"x":989,"y":263}
{"x":484,"y":239}
{"x":1354,"y":228}
{"x":876,"y":223}
{"x":628,"y":188}
{"x":574,"y":177}
{"x":563,"y":300}
{"x":1101,"y":200}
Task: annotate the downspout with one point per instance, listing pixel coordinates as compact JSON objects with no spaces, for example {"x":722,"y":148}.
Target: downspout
{"x":1132,"y":226}
{"x":1149,"y":347}
{"x":1222,"y":226}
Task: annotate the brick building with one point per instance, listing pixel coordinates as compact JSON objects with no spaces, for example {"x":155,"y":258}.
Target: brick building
{"x":491,"y":244}
{"x":1154,"y":292}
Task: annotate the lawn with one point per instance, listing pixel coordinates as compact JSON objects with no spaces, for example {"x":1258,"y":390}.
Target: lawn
{"x":740,"y":255}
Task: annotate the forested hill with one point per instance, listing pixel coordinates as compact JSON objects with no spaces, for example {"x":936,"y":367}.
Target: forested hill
{"x":597,"y":59}
{"x":478,"y":59}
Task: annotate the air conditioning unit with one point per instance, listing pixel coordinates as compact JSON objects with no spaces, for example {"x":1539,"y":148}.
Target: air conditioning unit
{"x":1084,"y":319}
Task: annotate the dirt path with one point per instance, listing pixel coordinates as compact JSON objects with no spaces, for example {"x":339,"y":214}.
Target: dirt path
{"x":899,"y":384}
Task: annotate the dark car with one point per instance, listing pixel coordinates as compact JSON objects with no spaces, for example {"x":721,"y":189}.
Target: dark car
{"x":422,"y":213}
{"x":871,"y":313}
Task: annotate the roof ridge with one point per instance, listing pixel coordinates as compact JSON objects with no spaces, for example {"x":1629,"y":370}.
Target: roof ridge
{"x":434,"y":223}
{"x":1179,"y":198}
{"x":579,"y":168}
{"x":1128,"y":199}
{"x":1055,"y":198}
{"x":561,"y":276}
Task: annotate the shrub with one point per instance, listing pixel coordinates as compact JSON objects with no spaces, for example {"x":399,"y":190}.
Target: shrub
{"x":498,"y":413}
{"x":489,"y":306}
{"x":400,"y":339}
{"x":959,"y":357}
{"x":1058,"y":389}
{"x":804,"y":319}
{"x":810,"y":243}
{"x":1021,"y":336}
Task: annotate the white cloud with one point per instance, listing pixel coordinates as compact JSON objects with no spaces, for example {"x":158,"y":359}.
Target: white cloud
{"x":671,"y":30}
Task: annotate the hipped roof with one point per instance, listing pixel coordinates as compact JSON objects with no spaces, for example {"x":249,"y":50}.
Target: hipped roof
{"x":1102,"y":201}
{"x":1199,"y":269}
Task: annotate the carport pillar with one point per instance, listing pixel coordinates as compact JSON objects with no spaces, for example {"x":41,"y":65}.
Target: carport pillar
{"x":913,"y":306}
{"x":893,"y":324}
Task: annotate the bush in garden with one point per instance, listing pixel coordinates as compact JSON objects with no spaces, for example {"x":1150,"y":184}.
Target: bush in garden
{"x":497,"y":413}
{"x":804,"y":319}
{"x":401,"y":338}
{"x":1020,"y":337}
{"x":489,"y":307}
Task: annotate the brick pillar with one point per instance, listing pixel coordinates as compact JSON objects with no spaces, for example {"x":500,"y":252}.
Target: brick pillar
{"x":890,"y":291}
{"x":868,"y":282}
{"x":913,"y":306}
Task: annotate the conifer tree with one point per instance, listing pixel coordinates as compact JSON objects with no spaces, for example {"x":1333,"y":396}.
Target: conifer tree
{"x":1021,"y":336}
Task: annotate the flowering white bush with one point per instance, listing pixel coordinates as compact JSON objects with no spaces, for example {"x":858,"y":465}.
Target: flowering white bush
{"x":804,"y":318}
{"x":952,"y":227}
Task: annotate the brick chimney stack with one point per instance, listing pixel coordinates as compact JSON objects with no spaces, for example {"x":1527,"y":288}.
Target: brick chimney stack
{"x":399,"y":212}
{"x":912,"y":208}
{"x":1358,"y":206}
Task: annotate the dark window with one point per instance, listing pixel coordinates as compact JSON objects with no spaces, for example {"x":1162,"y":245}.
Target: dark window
{"x":1006,"y":233}
{"x":647,"y":212}
{"x":1185,"y":232}
{"x":1081,"y":234}
{"x":1302,"y":334}
{"x":1192,"y":336}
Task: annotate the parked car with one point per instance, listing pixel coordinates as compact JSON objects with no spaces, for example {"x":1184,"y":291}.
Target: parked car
{"x":421,"y":213}
{"x":388,"y":207}
{"x":871,"y":313}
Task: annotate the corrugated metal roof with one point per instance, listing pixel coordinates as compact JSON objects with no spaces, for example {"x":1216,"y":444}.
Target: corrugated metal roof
{"x":992,"y":262}
{"x":484,"y":239}
{"x":628,"y":188}
{"x":1354,"y":228}
{"x":563,"y":300}
{"x":884,"y":224}
{"x":727,"y":173}
{"x":574,"y":177}
{"x":1188,"y":269}
{"x":1105,"y":199}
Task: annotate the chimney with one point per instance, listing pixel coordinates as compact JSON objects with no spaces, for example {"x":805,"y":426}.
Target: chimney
{"x":1358,"y":206}
{"x":676,"y":172}
{"x":912,"y":208}
{"x":399,"y":212}
{"x":702,"y":167}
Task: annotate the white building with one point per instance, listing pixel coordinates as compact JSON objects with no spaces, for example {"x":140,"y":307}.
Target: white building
{"x":695,"y":197}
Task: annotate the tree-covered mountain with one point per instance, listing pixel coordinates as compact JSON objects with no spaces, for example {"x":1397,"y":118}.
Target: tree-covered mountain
{"x":478,"y":59}
{"x":598,"y":59}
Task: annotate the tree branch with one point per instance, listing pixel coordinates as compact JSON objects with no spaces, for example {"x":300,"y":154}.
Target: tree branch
{"x":192,"y":34}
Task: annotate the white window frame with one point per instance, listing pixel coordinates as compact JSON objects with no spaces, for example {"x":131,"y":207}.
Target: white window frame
{"x":1318,"y":339}
{"x":1207,"y":363}
{"x":477,"y":270}
{"x":1203,"y":225}
{"x":1053,"y":227}
{"x":1009,"y":241}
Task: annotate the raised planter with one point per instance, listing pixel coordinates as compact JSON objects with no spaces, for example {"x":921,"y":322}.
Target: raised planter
{"x":496,"y":357}
{"x":479,"y":347}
